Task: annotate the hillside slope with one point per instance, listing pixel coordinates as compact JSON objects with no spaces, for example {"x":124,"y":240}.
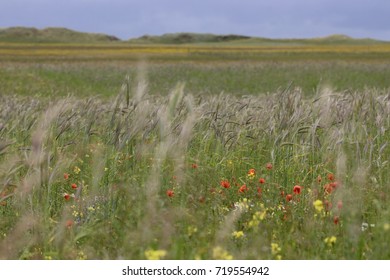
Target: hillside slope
{"x":187,"y":38}
{"x":64,"y":35}
{"x":51,"y":34}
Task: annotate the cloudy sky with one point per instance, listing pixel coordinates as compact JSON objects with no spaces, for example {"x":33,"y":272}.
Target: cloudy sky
{"x":264,"y":18}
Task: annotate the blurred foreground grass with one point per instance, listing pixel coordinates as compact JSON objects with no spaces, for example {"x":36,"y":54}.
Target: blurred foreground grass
{"x":194,"y":176}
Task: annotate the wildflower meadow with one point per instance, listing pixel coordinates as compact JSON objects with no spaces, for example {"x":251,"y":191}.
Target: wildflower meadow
{"x":183,"y":175}
{"x":252,"y":149}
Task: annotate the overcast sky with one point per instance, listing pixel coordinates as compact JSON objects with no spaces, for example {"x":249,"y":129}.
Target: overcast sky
{"x":264,"y":18}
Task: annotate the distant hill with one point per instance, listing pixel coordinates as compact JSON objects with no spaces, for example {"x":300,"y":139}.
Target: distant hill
{"x":336,"y":39}
{"x":187,"y":38}
{"x":64,"y":35}
{"x":198,"y":38}
{"x":341,"y":38}
{"x":51,"y":34}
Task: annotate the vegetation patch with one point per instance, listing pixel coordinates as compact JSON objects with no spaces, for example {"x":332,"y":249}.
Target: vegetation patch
{"x":184,"y":176}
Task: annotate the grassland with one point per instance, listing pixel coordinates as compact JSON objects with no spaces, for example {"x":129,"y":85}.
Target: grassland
{"x":200,"y":151}
{"x":60,"y":69}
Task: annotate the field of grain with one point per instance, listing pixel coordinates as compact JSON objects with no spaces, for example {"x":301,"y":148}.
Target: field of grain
{"x":181,"y":154}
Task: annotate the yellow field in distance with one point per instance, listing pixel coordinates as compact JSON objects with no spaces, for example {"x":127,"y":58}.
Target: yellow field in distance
{"x":64,"y":51}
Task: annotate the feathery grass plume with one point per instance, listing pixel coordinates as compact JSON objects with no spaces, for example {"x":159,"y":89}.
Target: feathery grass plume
{"x":18,"y":238}
{"x":141,"y":85}
{"x":41,"y":141}
{"x":169,"y":147}
{"x":226,"y":228}
{"x":127,"y":85}
{"x":324,"y":106}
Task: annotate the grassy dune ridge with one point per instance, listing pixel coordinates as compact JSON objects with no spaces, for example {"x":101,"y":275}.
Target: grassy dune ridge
{"x":51,"y":34}
{"x":188,"y":176}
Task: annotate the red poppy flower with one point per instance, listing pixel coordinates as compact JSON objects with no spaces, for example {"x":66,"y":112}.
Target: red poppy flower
{"x":268,"y":166}
{"x":194,"y":166}
{"x":330,"y":177}
{"x":297,"y":189}
{"x":225,"y":184}
{"x":69,"y":223}
{"x":66,"y":196}
{"x":251,"y":173}
{"x":289,"y":197}
{"x":336,"y":220}
{"x":261,"y":180}
{"x":74,"y":186}
{"x":334,"y":184}
{"x":170,"y":193}
{"x":66,"y":176}
{"x":259,"y":192}
{"x":328,"y":188}
{"x":243,"y":188}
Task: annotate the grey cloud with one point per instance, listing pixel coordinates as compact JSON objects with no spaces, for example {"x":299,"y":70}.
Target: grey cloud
{"x":274,"y":18}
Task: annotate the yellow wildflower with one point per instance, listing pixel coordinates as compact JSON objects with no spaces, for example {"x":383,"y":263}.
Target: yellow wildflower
{"x":318,"y":205}
{"x":260,"y":215}
{"x":81,"y":256}
{"x":76,"y":170}
{"x":191,"y":230}
{"x":275,"y":249}
{"x":257,"y":217}
{"x":77,"y":214}
{"x":238,"y":234}
{"x":155,"y":254}
{"x":330,"y":240}
{"x":386,"y":226}
{"x":242,"y":205}
{"x":221,"y":254}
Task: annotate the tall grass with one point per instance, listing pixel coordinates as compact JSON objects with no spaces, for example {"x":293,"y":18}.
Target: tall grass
{"x":139,"y":176}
